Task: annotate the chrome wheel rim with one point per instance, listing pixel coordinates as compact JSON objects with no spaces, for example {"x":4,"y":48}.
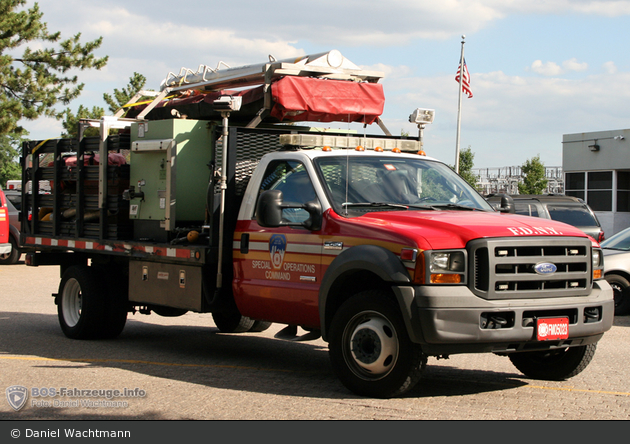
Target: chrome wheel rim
{"x":71,"y":301}
{"x":371,"y":345}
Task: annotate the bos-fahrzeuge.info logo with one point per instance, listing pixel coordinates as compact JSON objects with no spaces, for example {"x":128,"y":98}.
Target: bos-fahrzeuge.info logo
{"x":60,"y":397}
{"x":17,"y":396}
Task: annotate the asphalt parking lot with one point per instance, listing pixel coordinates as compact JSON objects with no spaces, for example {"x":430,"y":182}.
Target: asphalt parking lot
{"x":186,"y":370}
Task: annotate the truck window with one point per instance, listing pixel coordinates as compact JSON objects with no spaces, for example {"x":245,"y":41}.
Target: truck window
{"x":404,"y":181}
{"x":526,"y":209}
{"x":576,"y":216}
{"x":292,"y":179}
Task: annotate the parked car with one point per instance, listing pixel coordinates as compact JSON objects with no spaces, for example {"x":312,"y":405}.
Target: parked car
{"x":567,"y":209}
{"x":12,"y":256}
{"x":15,"y":197}
{"x":617,"y":269}
{"x":6,"y":246}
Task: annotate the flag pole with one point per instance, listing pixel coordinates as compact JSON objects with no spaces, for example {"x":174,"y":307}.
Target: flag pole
{"x":459,"y":107}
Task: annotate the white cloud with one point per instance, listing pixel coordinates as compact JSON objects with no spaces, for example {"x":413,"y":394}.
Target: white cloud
{"x":553,"y":69}
{"x":610,"y":67}
{"x":607,"y":8}
{"x":574,"y":65}
{"x":546,"y":69}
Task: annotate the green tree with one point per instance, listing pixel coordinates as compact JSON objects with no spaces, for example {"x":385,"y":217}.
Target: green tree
{"x":31,"y":85}
{"x":466,"y":164}
{"x":71,"y":121}
{"x":9,"y":162}
{"x":119,"y":98}
{"x":534,"y":177}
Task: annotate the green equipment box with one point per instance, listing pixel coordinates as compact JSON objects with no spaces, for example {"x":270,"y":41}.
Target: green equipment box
{"x":169,"y":173}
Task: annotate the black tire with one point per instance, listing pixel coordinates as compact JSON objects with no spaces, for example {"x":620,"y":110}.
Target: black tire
{"x":621,"y":290}
{"x":116,"y":303}
{"x":81,"y":303}
{"x":259,"y":326}
{"x":369,"y":347}
{"x":554,"y":365}
{"x":232,"y":322}
{"x":14,"y":256}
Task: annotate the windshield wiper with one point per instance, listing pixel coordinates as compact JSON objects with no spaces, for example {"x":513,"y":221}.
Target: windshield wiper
{"x":385,"y":204}
{"x":456,"y":207}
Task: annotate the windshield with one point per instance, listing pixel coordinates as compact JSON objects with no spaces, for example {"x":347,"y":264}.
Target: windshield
{"x":354,"y":183}
{"x":620,"y":241}
{"x":572,"y":215}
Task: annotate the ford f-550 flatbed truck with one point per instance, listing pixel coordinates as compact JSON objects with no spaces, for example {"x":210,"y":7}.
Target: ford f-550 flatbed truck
{"x":384,"y":252}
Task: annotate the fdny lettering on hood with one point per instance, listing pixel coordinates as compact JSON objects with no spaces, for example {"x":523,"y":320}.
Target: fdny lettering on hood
{"x":528,"y":231}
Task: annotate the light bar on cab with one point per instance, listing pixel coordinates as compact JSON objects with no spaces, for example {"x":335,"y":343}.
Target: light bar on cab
{"x":316,"y":140}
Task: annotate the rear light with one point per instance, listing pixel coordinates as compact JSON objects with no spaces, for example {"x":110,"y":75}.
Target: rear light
{"x":601,"y":237}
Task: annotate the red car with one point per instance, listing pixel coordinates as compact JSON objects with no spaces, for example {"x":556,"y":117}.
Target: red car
{"x":5,"y":243}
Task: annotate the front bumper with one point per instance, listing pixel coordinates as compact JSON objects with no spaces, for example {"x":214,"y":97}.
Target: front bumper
{"x":5,"y":248}
{"x":451,"y":319}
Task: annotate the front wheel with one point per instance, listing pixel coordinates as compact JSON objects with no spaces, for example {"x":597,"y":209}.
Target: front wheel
{"x":13,"y":257}
{"x":621,"y":291}
{"x":370,"y":350}
{"x":554,"y":365}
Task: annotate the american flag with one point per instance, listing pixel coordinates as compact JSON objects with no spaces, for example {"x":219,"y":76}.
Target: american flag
{"x":466,"y":80}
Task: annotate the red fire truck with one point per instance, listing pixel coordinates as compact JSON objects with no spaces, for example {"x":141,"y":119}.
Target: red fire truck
{"x":205,"y":200}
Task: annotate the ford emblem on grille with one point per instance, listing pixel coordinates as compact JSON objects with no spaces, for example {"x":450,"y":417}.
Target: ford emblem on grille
{"x":545,"y":268}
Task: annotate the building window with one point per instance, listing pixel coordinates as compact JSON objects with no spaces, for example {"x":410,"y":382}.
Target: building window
{"x":599,"y":191}
{"x":623,"y":191}
{"x":595,"y":187}
{"x":574,"y":185}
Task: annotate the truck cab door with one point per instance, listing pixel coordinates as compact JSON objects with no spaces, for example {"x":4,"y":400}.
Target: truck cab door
{"x":277,"y":270}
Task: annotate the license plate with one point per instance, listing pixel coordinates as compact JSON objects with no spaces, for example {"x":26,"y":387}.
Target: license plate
{"x":551,"y":329}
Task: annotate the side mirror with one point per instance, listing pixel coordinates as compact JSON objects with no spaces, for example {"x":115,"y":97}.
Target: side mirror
{"x":314,"y":208}
{"x":269,"y":212}
{"x":507,"y":204}
{"x":269,"y":209}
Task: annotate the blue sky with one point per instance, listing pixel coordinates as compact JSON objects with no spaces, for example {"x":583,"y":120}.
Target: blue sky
{"x":539,"y":68}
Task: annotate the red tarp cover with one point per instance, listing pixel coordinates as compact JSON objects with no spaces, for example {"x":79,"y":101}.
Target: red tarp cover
{"x":322,"y":100}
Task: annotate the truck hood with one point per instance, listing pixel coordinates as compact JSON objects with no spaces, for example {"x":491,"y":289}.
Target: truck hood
{"x":453,"y":229}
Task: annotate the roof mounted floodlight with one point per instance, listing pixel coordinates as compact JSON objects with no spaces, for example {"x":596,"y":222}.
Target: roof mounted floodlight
{"x":422,"y":116}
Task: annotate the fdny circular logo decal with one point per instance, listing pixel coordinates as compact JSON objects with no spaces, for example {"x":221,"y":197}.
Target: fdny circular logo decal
{"x":277,"y":248}
{"x":545,"y":268}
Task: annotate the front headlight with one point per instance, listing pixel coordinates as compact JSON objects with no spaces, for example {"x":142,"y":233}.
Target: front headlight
{"x":446,"y":267}
{"x":598,"y":263}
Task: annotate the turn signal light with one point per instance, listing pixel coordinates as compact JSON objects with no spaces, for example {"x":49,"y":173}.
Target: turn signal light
{"x":597,"y":274}
{"x":446,"y":278}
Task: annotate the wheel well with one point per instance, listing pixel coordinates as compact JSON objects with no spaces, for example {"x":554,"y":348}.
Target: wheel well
{"x":618,"y":273}
{"x":349,"y":284}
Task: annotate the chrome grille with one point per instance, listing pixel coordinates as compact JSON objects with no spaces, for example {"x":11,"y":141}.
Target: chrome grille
{"x":505,"y":268}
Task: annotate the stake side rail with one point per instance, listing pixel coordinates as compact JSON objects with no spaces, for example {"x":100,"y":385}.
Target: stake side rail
{"x":192,"y":254}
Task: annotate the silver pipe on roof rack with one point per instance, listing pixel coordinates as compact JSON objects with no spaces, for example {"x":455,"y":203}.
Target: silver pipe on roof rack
{"x":324,"y":64}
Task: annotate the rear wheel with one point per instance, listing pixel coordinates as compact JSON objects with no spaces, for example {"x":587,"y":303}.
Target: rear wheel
{"x":116,"y":303}
{"x":621,"y":290}
{"x":232,"y":322}
{"x":13,"y":257}
{"x":81,"y":303}
{"x":89,"y":306}
{"x":554,"y":365}
{"x":259,"y":326}
{"x":370,"y":350}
